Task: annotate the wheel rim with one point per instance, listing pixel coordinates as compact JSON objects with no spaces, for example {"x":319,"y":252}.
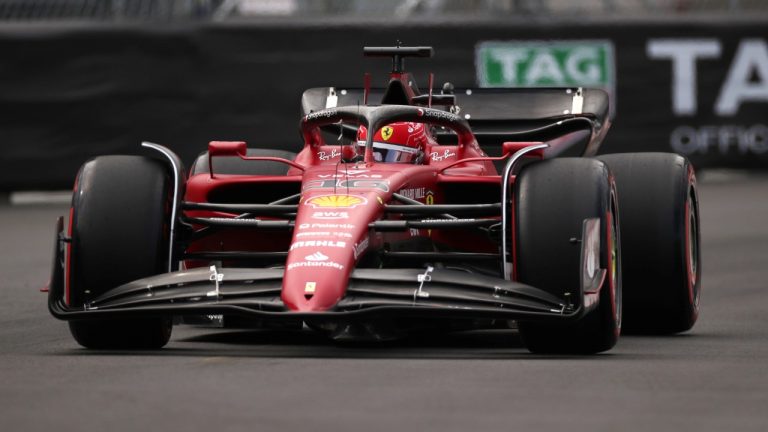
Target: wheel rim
{"x":692,"y":252}
{"x":615,"y":268}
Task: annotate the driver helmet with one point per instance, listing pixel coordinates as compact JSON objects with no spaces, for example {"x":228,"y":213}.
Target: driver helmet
{"x":402,"y":142}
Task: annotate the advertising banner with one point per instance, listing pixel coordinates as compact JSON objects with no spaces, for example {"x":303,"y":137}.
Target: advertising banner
{"x":705,"y":98}
{"x":716,"y":98}
{"x":69,"y":93}
{"x":554,"y":63}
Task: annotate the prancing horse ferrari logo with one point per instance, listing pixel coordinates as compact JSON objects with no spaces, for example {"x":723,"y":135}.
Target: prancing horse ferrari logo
{"x":386,"y":132}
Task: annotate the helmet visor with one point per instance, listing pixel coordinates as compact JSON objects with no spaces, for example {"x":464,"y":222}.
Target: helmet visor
{"x":391,"y":153}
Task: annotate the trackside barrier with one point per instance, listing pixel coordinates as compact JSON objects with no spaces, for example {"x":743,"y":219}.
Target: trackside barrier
{"x":68,"y":93}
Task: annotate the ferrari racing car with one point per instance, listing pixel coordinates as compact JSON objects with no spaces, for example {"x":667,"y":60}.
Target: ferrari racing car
{"x":392,"y":219}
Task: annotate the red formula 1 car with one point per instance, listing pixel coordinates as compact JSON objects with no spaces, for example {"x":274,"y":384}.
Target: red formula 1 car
{"x":390,"y":220}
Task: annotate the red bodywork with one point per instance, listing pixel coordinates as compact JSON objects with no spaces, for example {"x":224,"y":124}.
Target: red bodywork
{"x":338,"y":201}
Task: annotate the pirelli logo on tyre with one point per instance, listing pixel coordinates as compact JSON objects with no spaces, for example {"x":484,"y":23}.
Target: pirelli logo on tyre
{"x":335,"y":201}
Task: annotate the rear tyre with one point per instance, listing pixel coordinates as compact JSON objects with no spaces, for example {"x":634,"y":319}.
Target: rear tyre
{"x":120,"y":232}
{"x":552,"y":200}
{"x":661,"y":241}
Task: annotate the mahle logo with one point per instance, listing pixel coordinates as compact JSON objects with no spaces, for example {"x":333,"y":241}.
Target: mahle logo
{"x":546,"y":64}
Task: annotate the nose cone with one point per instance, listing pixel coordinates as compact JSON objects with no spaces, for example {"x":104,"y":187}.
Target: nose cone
{"x":317,"y":274}
{"x":331,"y":231}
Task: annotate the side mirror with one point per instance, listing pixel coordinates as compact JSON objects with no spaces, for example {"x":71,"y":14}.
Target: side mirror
{"x":508,"y":148}
{"x":227,"y":148}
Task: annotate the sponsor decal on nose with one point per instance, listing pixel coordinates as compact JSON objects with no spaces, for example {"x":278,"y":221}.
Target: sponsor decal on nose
{"x":317,"y":256}
{"x":335,"y":201}
{"x":318,"y":243}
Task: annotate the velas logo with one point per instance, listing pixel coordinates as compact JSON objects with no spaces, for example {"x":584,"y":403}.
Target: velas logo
{"x":386,"y":132}
{"x":559,"y":63}
{"x":335,"y":201}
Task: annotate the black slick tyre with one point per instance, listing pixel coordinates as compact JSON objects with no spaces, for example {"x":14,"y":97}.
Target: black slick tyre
{"x":552,"y":200}
{"x":120,"y":232}
{"x":660,"y":241}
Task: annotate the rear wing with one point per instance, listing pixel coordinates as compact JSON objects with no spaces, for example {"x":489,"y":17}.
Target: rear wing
{"x":498,"y":115}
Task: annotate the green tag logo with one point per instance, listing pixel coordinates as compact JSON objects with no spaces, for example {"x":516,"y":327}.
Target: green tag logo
{"x":546,"y":64}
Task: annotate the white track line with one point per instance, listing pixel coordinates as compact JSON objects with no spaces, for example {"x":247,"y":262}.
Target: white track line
{"x":40,"y":197}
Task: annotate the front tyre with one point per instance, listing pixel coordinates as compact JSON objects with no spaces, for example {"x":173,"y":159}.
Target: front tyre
{"x":552,"y":200}
{"x":120,"y":232}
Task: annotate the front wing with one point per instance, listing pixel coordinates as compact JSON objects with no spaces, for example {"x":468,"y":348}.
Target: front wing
{"x":371,"y":294}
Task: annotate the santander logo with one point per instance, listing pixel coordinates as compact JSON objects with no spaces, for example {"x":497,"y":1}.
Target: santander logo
{"x":317,"y":256}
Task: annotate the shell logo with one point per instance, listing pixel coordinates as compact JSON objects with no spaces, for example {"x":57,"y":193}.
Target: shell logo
{"x":336,"y":201}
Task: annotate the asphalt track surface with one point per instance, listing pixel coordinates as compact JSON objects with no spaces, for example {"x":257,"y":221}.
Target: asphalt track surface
{"x":714,"y":378}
